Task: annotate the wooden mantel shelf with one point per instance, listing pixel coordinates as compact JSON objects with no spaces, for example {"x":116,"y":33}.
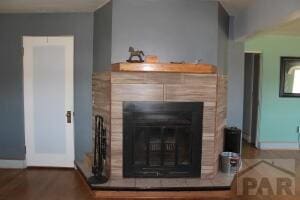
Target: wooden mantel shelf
{"x":164,"y":67}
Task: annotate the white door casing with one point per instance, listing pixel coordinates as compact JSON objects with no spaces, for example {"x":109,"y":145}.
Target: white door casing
{"x":48,"y":67}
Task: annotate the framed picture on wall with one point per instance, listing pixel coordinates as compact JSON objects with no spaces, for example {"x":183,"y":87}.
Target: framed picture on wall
{"x":289,"y":77}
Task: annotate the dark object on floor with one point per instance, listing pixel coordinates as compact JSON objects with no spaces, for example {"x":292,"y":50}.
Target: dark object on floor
{"x":135,"y":53}
{"x":99,"y":153}
{"x":233,"y":140}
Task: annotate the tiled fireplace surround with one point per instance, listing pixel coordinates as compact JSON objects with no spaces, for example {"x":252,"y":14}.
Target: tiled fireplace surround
{"x":111,"y":89}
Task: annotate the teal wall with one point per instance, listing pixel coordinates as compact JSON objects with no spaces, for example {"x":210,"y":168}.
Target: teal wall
{"x":279,"y":117}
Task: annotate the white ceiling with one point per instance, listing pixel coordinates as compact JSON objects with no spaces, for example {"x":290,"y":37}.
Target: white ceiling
{"x":233,"y":7}
{"x":291,"y":28}
{"x":42,"y":6}
{"x":46,"y":6}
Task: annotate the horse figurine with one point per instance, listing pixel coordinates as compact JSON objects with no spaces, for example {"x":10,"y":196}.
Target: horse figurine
{"x":135,"y":53}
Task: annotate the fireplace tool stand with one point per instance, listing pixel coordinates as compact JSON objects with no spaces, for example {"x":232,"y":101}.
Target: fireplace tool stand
{"x":99,"y":153}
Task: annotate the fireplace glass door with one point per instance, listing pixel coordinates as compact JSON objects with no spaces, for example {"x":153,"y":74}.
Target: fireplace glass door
{"x":162,"y":139}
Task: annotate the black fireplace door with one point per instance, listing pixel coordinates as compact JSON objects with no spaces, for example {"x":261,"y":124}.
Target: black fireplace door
{"x":162,"y":139}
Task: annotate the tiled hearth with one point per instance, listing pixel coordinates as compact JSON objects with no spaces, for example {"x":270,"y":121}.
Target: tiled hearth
{"x":220,"y":181}
{"x":130,"y":83}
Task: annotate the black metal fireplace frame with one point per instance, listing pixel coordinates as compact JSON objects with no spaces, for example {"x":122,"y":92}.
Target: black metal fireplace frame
{"x":132,"y":111}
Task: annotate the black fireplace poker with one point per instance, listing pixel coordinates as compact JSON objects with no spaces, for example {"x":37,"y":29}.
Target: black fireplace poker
{"x":99,"y":153}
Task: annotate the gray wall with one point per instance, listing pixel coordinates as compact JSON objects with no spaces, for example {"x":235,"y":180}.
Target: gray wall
{"x":102,"y":38}
{"x":235,"y":83}
{"x":174,"y":30}
{"x":13,"y":27}
{"x":264,"y":14}
{"x":235,"y":80}
{"x":223,"y":36}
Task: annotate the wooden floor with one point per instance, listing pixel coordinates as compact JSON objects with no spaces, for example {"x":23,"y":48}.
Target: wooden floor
{"x":56,"y":184}
{"x":42,"y":184}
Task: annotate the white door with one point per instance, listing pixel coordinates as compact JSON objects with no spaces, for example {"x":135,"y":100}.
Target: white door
{"x":48,"y":101}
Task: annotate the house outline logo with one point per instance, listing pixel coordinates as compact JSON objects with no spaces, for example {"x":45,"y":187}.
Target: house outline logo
{"x":266,"y":182}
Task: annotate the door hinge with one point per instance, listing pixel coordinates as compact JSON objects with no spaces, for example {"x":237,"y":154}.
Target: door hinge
{"x":25,"y":149}
{"x":22,"y":52}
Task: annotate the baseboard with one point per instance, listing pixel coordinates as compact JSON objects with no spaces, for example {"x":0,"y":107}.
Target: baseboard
{"x":278,"y":145}
{"x":12,"y":164}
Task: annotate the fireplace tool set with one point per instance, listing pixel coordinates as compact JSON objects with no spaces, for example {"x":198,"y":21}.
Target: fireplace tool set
{"x":99,"y":152}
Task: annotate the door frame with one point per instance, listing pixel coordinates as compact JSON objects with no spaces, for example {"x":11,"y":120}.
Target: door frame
{"x":67,"y":41}
{"x":258,"y":118}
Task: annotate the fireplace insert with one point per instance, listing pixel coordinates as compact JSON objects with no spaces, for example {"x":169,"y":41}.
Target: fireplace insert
{"x":162,"y":139}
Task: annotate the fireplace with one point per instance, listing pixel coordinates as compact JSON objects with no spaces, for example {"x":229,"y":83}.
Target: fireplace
{"x":162,"y":139}
{"x":161,"y":124}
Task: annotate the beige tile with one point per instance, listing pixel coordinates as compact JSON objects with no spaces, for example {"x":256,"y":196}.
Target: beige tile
{"x":117,"y":110}
{"x":103,"y":76}
{"x":116,"y":173}
{"x":190,"y":93}
{"x":147,"y":182}
{"x":117,"y":125}
{"x":137,"y":92}
{"x":200,"y":79}
{"x":157,"y":87}
{"x":222,"y":179}
{"x":173,"y":182}
{"x":125,"y":78}
{"x":198,"y":182}
{"x":124,"y":182}
{"x":164,"y":78}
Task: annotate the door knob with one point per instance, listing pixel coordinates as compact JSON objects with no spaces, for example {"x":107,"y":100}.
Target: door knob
{"x":69,"y":117}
